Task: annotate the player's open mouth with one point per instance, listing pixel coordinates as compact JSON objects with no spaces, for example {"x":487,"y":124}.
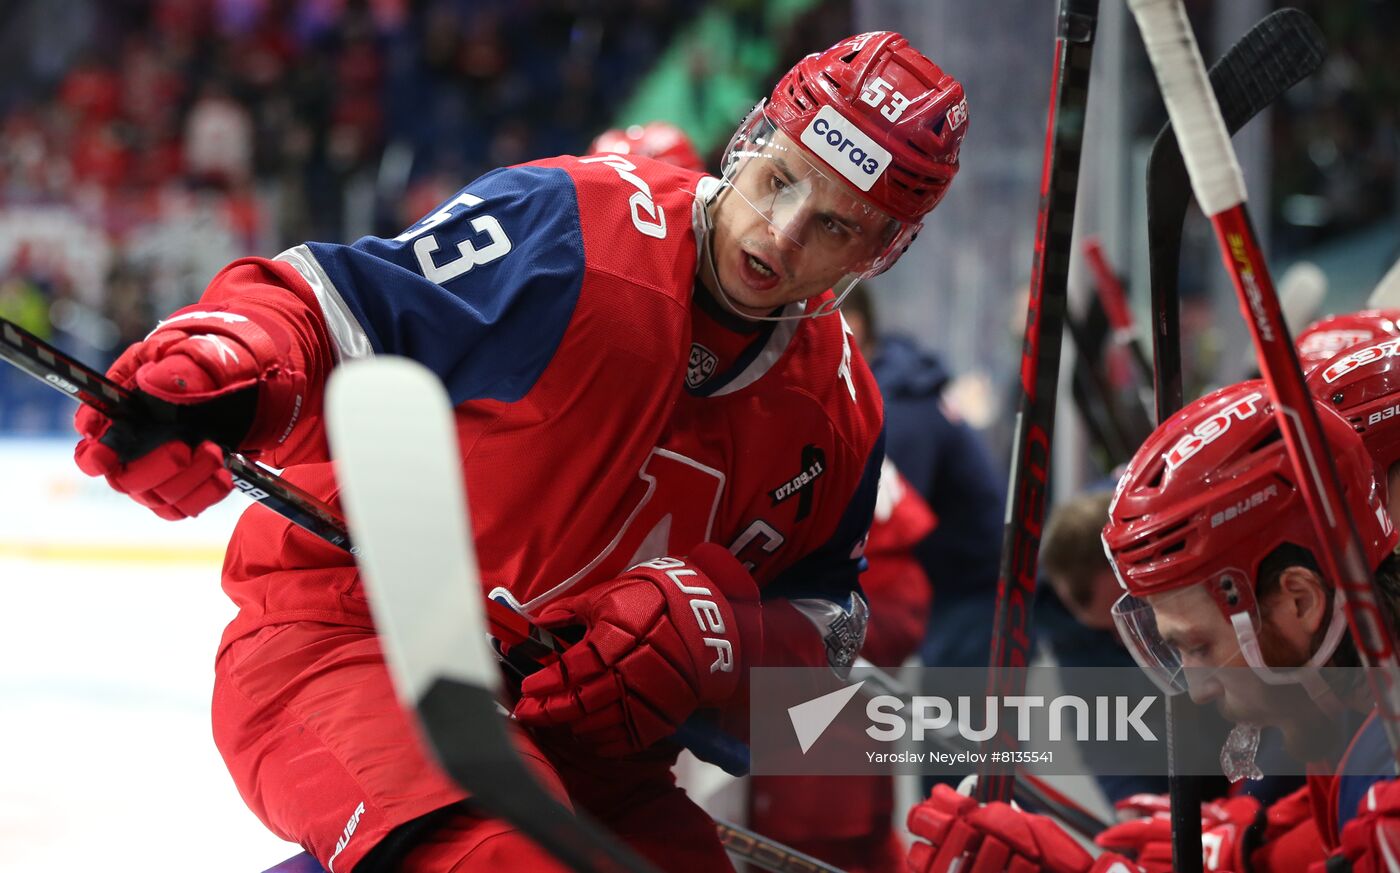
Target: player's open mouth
{"x":758,"y":273}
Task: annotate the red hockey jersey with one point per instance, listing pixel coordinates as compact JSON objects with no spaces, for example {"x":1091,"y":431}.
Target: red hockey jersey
{"x":554,"y":299}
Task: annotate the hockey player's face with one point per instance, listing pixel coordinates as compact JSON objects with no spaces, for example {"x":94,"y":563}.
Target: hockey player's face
{"x":1191,"y":622}
{"x":785,"y":231}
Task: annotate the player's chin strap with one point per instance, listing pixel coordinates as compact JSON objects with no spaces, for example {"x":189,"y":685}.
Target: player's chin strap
{"x":706,"y":195}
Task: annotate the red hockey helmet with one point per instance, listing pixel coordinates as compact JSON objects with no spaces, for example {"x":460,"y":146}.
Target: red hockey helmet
{"x":1326,"y":337}
{"x":657,"y":139}
{"x":1210,"y":494}
{"x":1363,"y":384}
{"x":903,"y":103}
{"x":870,"y":128}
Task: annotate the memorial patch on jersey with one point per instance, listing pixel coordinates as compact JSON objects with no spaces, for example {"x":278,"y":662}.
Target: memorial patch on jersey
{"x":841,"y":144}
{"x":701,"y":367}
{"x":813,"y":465}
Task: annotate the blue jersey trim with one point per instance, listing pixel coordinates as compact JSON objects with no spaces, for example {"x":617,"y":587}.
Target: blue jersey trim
{"x":1368,"y":761}
{"x":488,"y":331}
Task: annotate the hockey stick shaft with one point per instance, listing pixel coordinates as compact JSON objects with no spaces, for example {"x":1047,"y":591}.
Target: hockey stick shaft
{"x":1277,"y":53}
{"x":1274,"y":55}
{"x":72,"y":378}
{"x":1219,"y":188}
{"x":742,"y":843}
{"x":1114,"y":298}
{"x":1098,"y":407}
{"x":418,"y":567}
{"x":1040,"y":366}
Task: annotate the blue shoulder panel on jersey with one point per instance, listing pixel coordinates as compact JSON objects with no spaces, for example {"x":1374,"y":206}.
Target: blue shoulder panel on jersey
{"x":829,"y":571}
{"x":1368,"y":761}
{"x":481,"y":291}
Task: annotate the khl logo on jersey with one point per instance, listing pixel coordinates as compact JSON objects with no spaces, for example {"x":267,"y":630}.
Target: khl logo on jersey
{"x":849,"y":151}
{"x":701,"y":367}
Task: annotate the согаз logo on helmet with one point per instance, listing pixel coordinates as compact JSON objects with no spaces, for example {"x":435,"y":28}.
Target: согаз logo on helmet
{"x":845,"y":148}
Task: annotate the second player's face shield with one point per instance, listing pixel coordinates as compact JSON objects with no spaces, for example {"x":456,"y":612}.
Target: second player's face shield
{"x":1184,"y":638}
{"x":807,"y":206}
{"x":1176,"y":637}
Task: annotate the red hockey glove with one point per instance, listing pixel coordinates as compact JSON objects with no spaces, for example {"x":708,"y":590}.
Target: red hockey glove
{"x":236,"y":381}
{"x":1371,"y":841}
{"x":969,"y":837}
{"x":1149,"y":839}
{"x":664,"y":639}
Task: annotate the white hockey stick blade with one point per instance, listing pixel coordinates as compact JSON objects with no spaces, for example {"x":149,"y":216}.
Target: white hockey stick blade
{"x":1301,"y":291}
{"x":400,"y":473}
{"x":1387,"y":292}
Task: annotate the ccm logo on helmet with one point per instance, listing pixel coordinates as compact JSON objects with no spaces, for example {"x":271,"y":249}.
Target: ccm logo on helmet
{"x":851,"y":153}
{"x":1212,"y":429}
{"x":1388,"y":348}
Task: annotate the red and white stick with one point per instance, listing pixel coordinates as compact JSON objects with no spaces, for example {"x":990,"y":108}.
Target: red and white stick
{"x":1218,"y":185}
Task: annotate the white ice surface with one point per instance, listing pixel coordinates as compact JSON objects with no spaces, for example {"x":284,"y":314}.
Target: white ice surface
{"x":106,"y":669}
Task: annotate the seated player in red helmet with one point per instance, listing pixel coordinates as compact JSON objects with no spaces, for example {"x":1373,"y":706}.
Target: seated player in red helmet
{"x":644,"y":381}
{"x":1210,"y":538}
{"x":655,"y":139}
{"x":1363,"y":384}
{"x":1327,"y":336}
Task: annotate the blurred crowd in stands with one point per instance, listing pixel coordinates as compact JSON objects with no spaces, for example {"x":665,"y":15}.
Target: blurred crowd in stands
{"x":146,"y":143}
{"x":1336,"y":137}
{"x":151,"y":141}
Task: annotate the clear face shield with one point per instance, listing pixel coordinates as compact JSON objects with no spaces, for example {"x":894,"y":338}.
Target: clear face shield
{"x":1189,"y":639}
{"x":800,"y":222}
{"x":1158,"y":631}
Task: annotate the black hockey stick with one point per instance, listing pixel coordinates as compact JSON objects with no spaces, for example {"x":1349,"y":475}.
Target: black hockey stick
{"x":1274,"y":55}
{"x":740,"y":842}
{"x":1094,"y":397}
{"x":524,"y":643}
{"x":1040,"y":368}
{"x":1281,"y":50}
{"x":160,"y":422}
{"x":767,"y":854}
